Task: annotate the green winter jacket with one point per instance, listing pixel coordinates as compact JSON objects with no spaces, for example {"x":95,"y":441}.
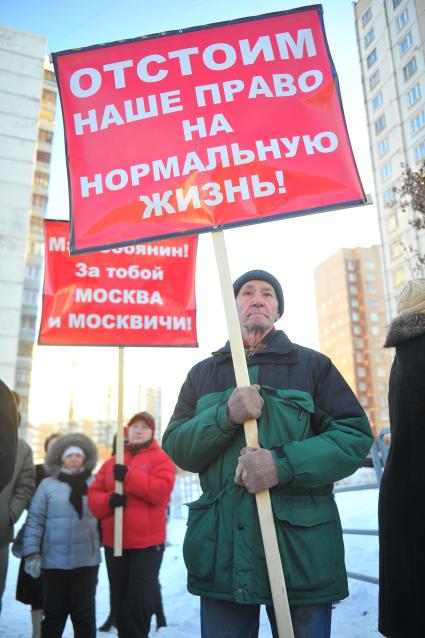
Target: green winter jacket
{"x":318,"y":433}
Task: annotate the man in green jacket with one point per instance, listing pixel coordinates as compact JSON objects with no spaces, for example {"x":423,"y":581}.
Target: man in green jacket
{"x":312,"y":431}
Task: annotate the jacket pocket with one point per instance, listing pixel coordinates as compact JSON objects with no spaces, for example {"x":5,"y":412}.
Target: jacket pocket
{"x":200,"y":542}
{"x":285,"y":417}
{"x":310,"y":540}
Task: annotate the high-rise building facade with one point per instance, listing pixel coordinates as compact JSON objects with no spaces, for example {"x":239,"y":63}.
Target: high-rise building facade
{"x":391,"y":44}
{"x":28,"y":94}
{"x":352,"y":323}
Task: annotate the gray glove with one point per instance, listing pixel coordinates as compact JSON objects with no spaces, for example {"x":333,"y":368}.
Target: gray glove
{"x":33,"y":565}
{"x":256,"y":470}
{"x":245,"y":403}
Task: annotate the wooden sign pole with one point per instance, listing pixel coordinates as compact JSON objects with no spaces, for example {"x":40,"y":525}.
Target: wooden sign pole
{"x":119,"y":458}
{"x":264,"y":506}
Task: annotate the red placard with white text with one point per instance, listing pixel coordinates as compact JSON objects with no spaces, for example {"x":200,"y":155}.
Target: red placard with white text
{"x":140,"y":295}
{"x":205,"y":128}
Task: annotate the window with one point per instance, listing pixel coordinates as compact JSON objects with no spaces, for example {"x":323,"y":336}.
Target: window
{"x":369,"y":37}
{"x":377,"y":101}
{"x":373,"y":303}
{"x":362,"y":386}
{"x":381,"y":372}
{"x":46,"y":115}
{"x":359,"y":344}
{"x":25,"y":349}
{"x":28,"y":322}
{"x":374,"y":316}
{"x":355,"y":316}
{"x":420,"y":152}
{"x":39,"y":200}
{"x":380,"y":124}
{"x":375,"y":330}
{"x":30,"y":298}
{"x":383,"y":147}
{"x":354,"y":303}
{"x":366,"y":17}
{"x":399,"y":277}
{"x":41,"y":179}
{"x":389,"y":197}
{"x":361,"y":372}
{"x":352,"y":277}
{"x":32,"y":272}
{"x":406,"y":43}
{"x":372,"y":290}
{"x":370,"y":264}
{"x":370,"y":277}
{"x":359,"y":357}
{"x":48,"y":97}
{"x":410,"y":68}
{"x":50,"y":76}
{"x":417,"y":122}
{"x":371,"y":58}
{"x":45,"y":136}
{"x":354,"y":290}
{"x":374,"y":79}
{"x":396,"y":249}
{"x":414,"y":94}
{"x":42,"y":156}
{"x":357,"y":330}
{"x":402,"y":19}
{"x":364,"y":401}
{"x":392,"y":222}
{"x":386,"y":171}
{"x":350,"y":264}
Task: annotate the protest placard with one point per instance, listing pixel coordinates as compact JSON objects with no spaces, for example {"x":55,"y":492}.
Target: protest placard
{"x":204,"y":128}
{"x":141,"y":295}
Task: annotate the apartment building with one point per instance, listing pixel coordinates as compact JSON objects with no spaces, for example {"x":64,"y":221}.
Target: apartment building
{"x":352,"y":323}
{"x":391,"y":40}
{"x":28,"y":95}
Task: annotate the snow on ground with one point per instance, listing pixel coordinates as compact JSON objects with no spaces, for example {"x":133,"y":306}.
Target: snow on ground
{"x":355,"y":617}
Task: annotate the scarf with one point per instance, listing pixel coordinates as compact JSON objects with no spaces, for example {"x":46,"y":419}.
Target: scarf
{"x":133,"y":449}
{"x":78,"y":485}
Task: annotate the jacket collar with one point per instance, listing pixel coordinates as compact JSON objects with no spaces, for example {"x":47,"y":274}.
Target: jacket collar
{"x":405,"y":327}
{"x":276,"y":343}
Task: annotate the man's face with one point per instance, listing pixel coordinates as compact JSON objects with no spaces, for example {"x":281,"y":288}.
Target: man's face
{"x":257,"y":307}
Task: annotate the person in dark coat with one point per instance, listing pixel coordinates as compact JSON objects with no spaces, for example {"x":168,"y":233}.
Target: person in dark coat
{"x":29,"y":591}
{"x":8,"y":435}
{"x":312,"y":432}
{"x":401,"y":502}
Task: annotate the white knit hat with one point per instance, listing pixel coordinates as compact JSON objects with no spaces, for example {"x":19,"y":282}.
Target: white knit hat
{"x":412,"y":297}
{"x":73,"y":449}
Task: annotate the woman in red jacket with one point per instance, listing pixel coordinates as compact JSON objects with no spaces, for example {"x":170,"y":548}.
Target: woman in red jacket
{"x":148,"y":477}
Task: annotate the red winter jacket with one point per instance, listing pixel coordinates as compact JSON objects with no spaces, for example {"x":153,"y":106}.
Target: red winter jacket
{"x":147,"y":485}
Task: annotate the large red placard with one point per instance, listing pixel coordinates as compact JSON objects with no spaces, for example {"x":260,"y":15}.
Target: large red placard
{"x":211,"y":127}
{"x":141,"y":295}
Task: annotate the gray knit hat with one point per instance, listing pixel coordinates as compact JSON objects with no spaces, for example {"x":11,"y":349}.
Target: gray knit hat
{"x":261,"y":275}
{"x":412,"y":297}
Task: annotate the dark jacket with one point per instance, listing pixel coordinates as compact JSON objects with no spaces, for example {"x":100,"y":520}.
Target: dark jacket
{"x":317,"y":432}
{"x":17,"y":494}
{"x":8,"y":435}
{"x":401,"y":501}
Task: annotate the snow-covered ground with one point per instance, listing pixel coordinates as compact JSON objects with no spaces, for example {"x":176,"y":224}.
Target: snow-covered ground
{"x":355,"y":617}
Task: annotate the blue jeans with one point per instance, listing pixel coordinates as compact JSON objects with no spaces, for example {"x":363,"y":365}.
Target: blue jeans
{"x":227,"y":619}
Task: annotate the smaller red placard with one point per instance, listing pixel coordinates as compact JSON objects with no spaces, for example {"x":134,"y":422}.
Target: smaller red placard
{"x":140,"y":295}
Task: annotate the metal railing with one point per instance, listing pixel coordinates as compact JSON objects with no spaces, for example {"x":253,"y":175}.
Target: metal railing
{"x":379,"y":459}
